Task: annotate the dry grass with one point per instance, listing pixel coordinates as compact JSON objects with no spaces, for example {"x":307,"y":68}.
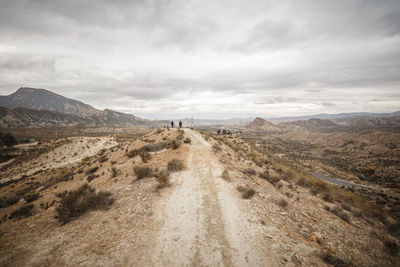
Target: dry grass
{"x":274,"y":180}
{"x":247,"y":193}
{"x":145,"y":156}
{"x":163,"y":179}
{"x":143,"y":172}
{"x":23,"y":212}
{"x":114,"y":172}
{"x":175,"y":165}
{"x":31,"y":197}
{"x":187,"y":140}
{"x":75,"y":203}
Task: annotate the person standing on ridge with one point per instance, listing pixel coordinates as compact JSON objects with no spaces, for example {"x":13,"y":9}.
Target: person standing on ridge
{"x":180,"y":124}
{"x":172,"y":124}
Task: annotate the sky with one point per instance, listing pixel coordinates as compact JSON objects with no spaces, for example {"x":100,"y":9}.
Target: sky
{"x":207,"y":59}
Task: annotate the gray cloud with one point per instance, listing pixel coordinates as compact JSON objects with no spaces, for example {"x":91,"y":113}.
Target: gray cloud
{"x":210,"y":56}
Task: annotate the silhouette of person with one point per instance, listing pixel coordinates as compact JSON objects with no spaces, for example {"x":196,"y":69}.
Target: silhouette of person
{"x":172,"y":124}
{"x":180,"y":124}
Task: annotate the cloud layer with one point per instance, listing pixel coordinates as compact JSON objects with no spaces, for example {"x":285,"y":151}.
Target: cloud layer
{"x":236,"y":58}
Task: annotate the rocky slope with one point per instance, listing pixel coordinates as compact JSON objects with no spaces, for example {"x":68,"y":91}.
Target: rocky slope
{"x":30,"y":107}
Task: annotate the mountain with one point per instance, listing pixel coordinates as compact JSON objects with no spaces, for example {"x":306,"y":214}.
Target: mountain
{"x":369,"y":121}
{"x":324,"y":116}
{"x":42,"y":99}
{"x":41,"y":108}
{"x":260,"y":124}
{"x":24,"y":117}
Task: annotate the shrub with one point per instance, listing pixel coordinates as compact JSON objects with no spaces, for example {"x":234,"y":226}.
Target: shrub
{"x":341,"y":214}
{"x":145,"y":156}
{"x":114,"y":172}
{"x":9,"y":139}
{"x":59,"y":178}
{"x":175,"y":165}
{"x":272,"y":179}
{"x":91,"y":177}
{"x":103,"y":159}
{"x":5,"y":202}
{"x":92,"y":170}
{"x":23,"y":212}
{"x":163,"y":179}
{"x":225,"y":175}
{"x":249,"y":171}
{"x":332,"y":260}
{"x":391,"y":246}
{"x":77,"y":202}
{"x":175,"y":143}
{"x":327,"y":197}
{"x":283,"y":203}
{"x":247,"y":193}
{"x":216,"y":147}
{"x":187,"y":140}
{"x":31,"y":197}
{"x":143,"y":172}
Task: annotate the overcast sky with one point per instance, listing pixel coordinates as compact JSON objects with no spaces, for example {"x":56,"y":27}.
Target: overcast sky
{"x":206,"y":58}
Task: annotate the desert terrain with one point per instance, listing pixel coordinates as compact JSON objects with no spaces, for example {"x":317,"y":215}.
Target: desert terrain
{"x":175,"y":197}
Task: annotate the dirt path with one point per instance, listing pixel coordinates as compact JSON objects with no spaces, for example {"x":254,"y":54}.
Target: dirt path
{"x":203,"y":224}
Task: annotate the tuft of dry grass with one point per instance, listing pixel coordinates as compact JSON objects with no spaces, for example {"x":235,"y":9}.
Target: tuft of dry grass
{"x":77,"y":202}
{"x":216,"y":147}
{"x":187,"y":140}
{"x":31,"y":197}
{"x":143,"y":172}
{"x":175,"y":165}
{"x":270,"y":178}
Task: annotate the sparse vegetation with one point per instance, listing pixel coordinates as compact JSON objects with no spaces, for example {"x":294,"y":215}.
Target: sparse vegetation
{"x":91,"y":177}
{"x":31,"y":197}
{"x":163,"y":179}
{"x":283,"y":203}
{"x":77,"y":202}
{"x":92,"y":170}
{"x":23,"y":212}
{"x":247,"y":193}
{"x":114,"y":172}
{"x":187,"y":140}
{"x":175,"y":165}
{"x":143,"y":172}
{"x":145,"y":156}
{"x":391,"y":246}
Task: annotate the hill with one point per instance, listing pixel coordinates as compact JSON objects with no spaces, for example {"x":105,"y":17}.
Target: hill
{"x":260,"y":124}
{"x":30,"y":107}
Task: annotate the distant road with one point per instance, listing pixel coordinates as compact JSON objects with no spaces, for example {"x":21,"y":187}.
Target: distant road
{"x":336,"y":181}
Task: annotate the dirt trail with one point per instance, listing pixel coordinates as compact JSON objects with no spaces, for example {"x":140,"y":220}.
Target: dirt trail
{"x":203,"y":223}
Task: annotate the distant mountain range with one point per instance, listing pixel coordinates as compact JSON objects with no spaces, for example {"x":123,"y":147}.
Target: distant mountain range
{"x":324,"y":116}
{"x":30,"y":107}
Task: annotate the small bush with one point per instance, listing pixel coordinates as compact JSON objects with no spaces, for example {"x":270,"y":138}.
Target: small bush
{"x":92,"y":170}
{"x":216,"y":147}
{"x":31,"y":197}
{"x":114,"y":172}
{"x":23,"y":212}
{"x":283,"y":203}
{"x":341,"y":214}
{"x":175,"y":165}
{"x":5,"y":202}
{"x":91,"y":177}
{"x":163,"y":179}
{"x":103,"y":159}
{"x":247,"y":193}
{"x":333,"y":260}
{"x":327,"y":197}
{"x":391,"y":246}
{"x":249,"y":171}
{"x":225,"y":175}
{"x":143,"y":172}
{"x":187,"y":140}
{"x":175,"y":144}
{"x":145,"y":156}
{"x":75,"y":203}
{"x":272,"y":179}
